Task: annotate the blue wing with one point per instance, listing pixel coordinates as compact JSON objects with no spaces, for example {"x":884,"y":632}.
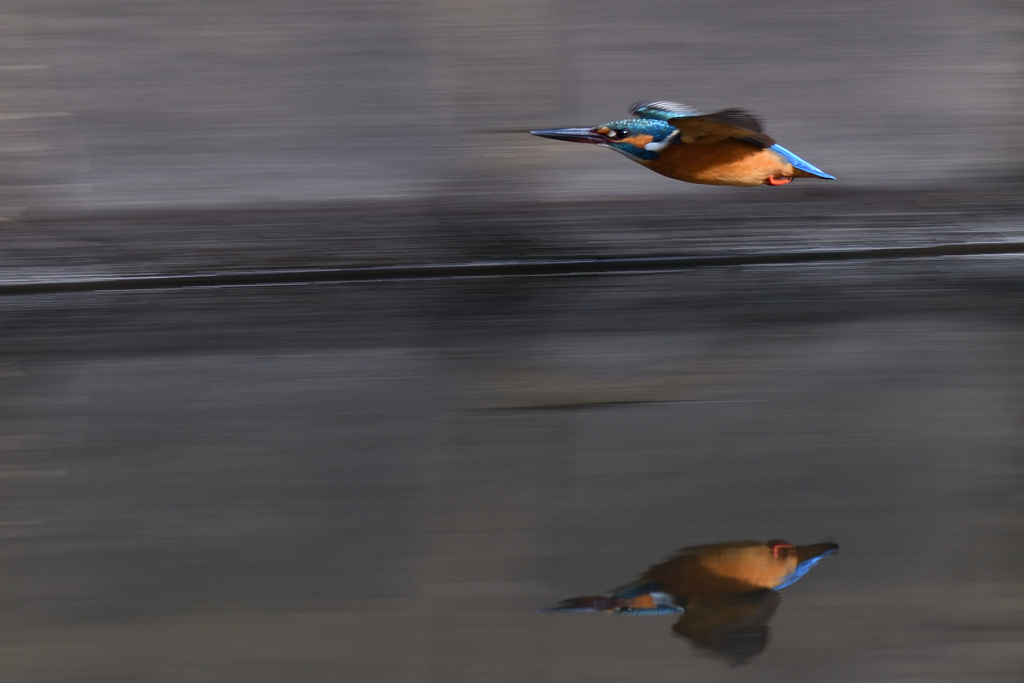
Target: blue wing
{"x":800,"y":163}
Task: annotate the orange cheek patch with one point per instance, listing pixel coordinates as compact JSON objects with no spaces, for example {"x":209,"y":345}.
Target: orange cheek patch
{"x":604,"y":130}
{"x":638,"y":140}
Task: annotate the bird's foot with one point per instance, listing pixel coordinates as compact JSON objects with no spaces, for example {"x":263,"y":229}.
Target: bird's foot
{"x":778,"y":180}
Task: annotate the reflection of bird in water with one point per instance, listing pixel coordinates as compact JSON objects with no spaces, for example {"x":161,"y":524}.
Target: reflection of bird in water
{"x":725,"y":593}
{"x":725,"y":148}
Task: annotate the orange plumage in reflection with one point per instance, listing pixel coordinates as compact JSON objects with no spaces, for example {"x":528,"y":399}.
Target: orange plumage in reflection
{"x":725,"y":593}
{"x":735,"y":568}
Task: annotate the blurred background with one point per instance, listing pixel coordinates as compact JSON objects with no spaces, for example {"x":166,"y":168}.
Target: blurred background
{"x":116,"y":104}
{"x":383,"y":481}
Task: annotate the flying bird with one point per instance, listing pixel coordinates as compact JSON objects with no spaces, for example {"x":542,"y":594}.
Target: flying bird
{"x":728,"y":147}
{"x":724,"y":594}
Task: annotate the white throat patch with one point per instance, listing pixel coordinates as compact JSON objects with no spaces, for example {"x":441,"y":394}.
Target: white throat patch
{"x":658,"y":146}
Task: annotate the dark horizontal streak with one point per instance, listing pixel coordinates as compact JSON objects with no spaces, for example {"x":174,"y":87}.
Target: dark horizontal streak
{"x":501,"y":269}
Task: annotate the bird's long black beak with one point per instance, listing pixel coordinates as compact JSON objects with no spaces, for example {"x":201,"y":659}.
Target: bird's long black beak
{"x":571,"y":135}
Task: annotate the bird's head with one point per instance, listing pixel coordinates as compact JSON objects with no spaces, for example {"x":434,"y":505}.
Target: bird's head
{"x":639,"y":139}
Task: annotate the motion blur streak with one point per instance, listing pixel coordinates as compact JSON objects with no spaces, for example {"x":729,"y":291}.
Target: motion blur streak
{"x":383,"y":481}
{"x":219,"y":101}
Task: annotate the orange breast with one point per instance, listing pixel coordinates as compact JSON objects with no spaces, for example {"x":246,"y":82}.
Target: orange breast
{"x":727,"y":568}
{"x":727,"y":162}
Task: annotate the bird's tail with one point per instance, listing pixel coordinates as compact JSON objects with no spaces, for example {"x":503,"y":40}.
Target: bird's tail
{"x":801,"y":168}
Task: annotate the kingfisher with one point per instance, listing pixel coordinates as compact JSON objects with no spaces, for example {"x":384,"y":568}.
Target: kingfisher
{"x":728,"y":147}
{"x":724,"y":594}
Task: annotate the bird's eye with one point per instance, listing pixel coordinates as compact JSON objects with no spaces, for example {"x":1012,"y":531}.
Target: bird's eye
{"x":618,"y":134}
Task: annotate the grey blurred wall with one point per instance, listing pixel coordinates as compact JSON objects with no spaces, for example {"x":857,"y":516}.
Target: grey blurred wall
{"x":220,"y":102}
